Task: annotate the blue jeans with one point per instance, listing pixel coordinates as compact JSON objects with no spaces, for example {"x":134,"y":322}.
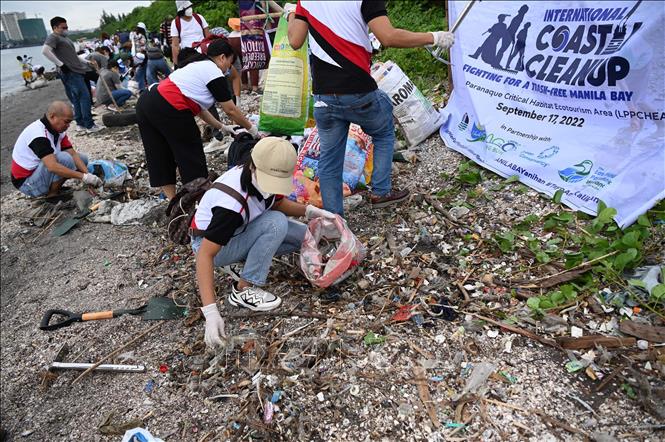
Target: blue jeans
{"x":139,"y":75}
{"x":121,"y":96}
{"x":271,"y":234}
{"x":79,"y":95}
{"x":373,"y":112}
{"x":40,"y":181}
{"x":155,"y":66}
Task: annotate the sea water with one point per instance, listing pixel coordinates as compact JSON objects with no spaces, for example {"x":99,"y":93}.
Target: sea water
{"x":10,"y":79}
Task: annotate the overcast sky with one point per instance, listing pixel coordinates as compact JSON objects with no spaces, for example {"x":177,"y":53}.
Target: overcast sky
{"x":79,"y":14}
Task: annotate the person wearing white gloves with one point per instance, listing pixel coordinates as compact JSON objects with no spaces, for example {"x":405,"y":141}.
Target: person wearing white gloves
{"x":224,"y":232}
{"x":344,"y":90}
{"x":43,"y":157}
{"x":165,"y":115}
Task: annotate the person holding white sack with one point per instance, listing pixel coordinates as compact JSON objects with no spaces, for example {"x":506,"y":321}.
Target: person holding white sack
{"x":244,"y":217}
{"x":344,"y":90}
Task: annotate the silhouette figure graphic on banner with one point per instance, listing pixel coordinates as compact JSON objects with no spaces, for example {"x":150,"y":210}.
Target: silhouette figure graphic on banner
{"x":511,"y":31}
{"x":488,"y":50}
{"x":518,"y":49}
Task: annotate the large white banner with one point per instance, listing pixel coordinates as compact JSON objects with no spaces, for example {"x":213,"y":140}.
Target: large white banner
{"x":565,"y":94}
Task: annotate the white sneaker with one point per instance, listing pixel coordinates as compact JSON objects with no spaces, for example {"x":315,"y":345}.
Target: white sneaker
{"x":112,"y":108}
{"x":233,"y":271}
{"x":254,"y":298}
{"x":93,"y":129}
{"x":78,"y":128}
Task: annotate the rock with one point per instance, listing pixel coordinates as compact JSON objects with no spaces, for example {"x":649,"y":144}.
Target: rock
{"x":458,"y":212}
{"x":487,"y":279}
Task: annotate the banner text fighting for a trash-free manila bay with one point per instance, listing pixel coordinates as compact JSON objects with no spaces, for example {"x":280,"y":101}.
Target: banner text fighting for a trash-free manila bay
{"x":567,"y":95}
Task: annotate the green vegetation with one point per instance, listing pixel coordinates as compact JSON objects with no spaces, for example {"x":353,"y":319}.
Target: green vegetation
{"x":420,"y":16}
{"x":574,"y":239}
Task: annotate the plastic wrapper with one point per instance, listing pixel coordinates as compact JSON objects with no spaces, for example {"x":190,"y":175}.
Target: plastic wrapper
{"x":114,"y":173}
{"x":330,"y":252}
{"x":357,"y":170}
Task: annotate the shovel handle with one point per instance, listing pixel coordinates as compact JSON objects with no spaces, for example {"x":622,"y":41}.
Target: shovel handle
{"x":97,"y":315}
{"x":69,"y":319}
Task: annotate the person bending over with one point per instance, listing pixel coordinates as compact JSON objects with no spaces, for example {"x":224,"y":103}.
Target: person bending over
{"x":43,"y":157}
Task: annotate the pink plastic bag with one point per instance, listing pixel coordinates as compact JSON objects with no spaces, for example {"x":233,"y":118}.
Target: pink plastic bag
{"x":324,"y":271}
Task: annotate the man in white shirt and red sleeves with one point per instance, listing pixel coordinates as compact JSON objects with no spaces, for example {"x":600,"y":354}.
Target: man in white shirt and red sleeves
{"x":344,"y":90}
{"x":43,"y":157}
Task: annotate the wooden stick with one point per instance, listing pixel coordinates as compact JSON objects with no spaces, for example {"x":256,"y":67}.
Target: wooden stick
{"x":591,"y":341}
{"x":423,"y":392}
{"x":519,"y":331}
{"x":439,"y":208}
{"x":117,"y":351}
{"x":584,"y":264}
{"x":544,"y":416}
{"x":461,"y":288}
{"x":609,"y":378}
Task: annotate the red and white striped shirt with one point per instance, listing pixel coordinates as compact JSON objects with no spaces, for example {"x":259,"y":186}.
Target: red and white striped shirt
{"x":340,"y":44}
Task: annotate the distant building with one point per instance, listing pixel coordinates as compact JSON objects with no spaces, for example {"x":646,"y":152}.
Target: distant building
{"x":3,"y":37}
{"x":10,"y":25}
{"x":32,"y":29}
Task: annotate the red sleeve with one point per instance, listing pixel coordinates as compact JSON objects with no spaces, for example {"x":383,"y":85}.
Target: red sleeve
{"x":65,"y":143}
{"x":301,"y":13}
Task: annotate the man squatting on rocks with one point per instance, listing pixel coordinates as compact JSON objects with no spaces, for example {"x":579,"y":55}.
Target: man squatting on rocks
{"x":43,"y":157}
{"x":344,"y":90}
{"x":223,"y":233}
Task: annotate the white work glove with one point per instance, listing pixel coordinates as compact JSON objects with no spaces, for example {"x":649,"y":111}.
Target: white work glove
{"x":227,"y":129}
{"x":443,"y":39}
{"x":288,"y":9}
{"x":253,"y":131}
{"x":312,"y":212}
{"x":91,"y":179}
{"x":214,"y":326}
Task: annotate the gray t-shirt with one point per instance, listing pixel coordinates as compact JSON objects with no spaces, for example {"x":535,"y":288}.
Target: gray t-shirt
{"x":101,"y":60}
{"x":112,"y":79}
{"x":64,"y":49}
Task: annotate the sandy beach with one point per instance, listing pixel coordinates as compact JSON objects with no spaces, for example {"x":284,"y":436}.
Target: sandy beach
{"x":19,"y":110}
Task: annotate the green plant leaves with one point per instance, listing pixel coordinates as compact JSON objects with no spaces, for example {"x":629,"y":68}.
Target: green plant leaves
{"x":557,"y":196}
{"x":469,"y":173}
{"x":622,"y":260}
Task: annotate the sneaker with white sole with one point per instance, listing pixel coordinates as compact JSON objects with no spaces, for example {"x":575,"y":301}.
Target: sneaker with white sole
{"x":254,"y":298}
{"x":233,"y":271}
{"x":78,"y":128}
{"x":94,"y":128}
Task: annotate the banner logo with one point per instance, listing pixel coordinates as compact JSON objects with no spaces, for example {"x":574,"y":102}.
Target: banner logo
{"x":576,"y":173}
{"x":464,"y":123}
{"x":585,"y":52}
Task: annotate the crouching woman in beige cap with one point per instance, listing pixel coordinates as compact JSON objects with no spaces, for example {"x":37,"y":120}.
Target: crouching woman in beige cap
{"x":244,"y":218}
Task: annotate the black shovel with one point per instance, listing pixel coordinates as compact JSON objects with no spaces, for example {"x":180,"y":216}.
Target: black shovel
{"x":156,"y":308}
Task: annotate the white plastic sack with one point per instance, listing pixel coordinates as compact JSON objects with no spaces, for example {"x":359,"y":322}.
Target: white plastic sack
{"x":415,"y":114}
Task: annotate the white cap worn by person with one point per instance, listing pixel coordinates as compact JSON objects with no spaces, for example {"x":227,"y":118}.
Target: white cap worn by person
{"x":142,"y":26}
{"x":180,"y":5}
{"x":275,"y":160}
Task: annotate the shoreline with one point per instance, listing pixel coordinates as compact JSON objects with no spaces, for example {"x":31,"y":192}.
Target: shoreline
{"x":19,"y":109}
